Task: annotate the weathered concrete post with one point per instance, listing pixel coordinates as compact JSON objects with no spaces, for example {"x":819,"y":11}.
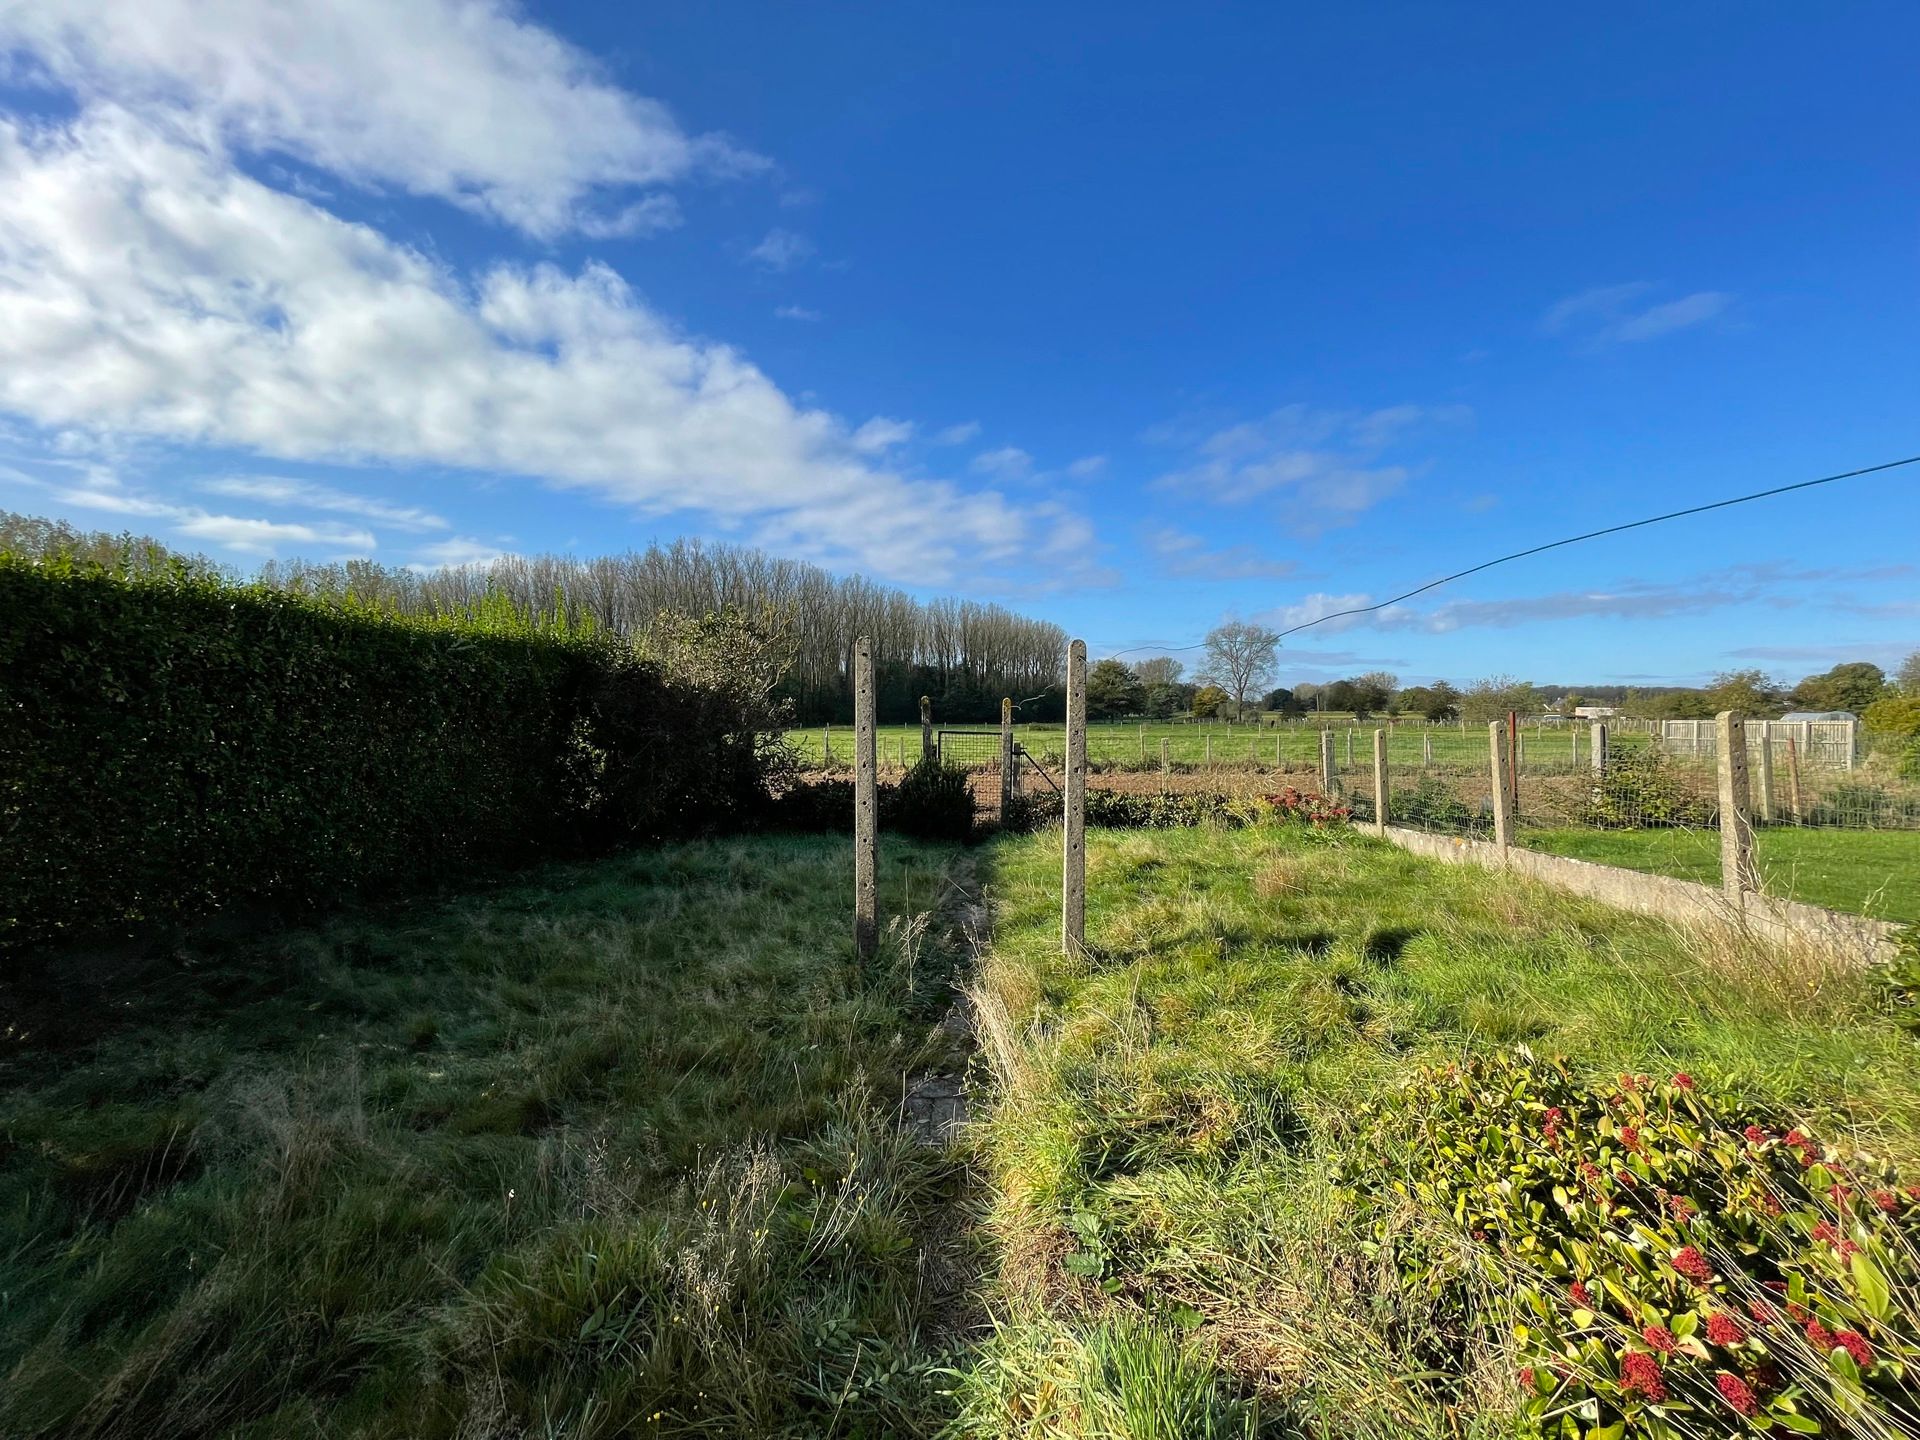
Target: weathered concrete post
{"x":1007,"y":771}
{"x":1276,"y":747}
{"x":1597,"y":747}
{"x":926,"y":727}
{"x":1073,"y":830}
{"x":1793,"y":777}
{"x":1502,"y":784}
{"x":1143,"y":744}
{"x":1737,"y":874}
{"x":1426,"y":751}
{"x":1573,"y":734}
{"x":866,"y":811}
{"x":1350,"y":748}
{"x":1326,"y":764}
{"x":1163,"y":755}
{"x":826,"y":736}
{"x":1380,"y":782}
{"x":1209,"y":749}
{"x":1766,"y":772}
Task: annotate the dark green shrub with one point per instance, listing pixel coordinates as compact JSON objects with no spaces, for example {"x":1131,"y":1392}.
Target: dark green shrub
{"x":1664,"y":1264}
{"x":1643,"y":788}
{"x":1430,"y":805}
{"x":173,"y":745}
{"x":932,"y":801}
{"x":1897,"y":715}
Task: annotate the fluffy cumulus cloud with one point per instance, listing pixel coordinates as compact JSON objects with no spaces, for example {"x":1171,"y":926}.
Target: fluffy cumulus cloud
{"x":1323,"y":466}
{"x":149,"y":287}
{"x":459,"y":99}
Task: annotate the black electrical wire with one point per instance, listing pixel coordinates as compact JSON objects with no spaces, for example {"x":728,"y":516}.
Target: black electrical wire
{"x":1556,"y":544}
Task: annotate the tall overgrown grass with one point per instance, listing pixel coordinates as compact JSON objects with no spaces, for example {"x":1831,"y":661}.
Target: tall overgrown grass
{"x":612,"y":1152}
{"x":1168,"y":1106}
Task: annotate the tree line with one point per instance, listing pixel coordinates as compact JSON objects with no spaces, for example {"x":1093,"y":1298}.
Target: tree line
{"x":964,"y":654}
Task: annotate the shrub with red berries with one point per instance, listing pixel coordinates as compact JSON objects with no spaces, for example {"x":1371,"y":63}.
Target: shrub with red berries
{"x":1674,"y":1266}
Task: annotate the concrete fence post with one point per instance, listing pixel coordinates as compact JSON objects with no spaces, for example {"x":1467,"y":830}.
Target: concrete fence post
{"x":926,"y":727}
{"x":1327,"y":785}
{"x":1380,"y":782}
{"x":1502,"y":784}
{"x":1597,"y":747}
{"x":866,"y":810}
{"x":1737,"y":873}
{"x":826,"y":739}
{"x":1163,"y":755}
{"x":1143,"y":744}
{"x":1573,"y":734}
{"x":1073,"y":830}
{"x":1209,"y":749}
{"x":1793,"y":777}
{"x":1766,"y":772}
{"x":1350,"y":748}
{"x":1007,"y":772}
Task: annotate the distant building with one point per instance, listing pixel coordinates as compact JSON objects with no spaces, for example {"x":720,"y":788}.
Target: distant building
{"x":1594,"y":712}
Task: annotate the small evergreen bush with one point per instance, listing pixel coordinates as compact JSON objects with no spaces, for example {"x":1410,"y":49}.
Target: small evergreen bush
{"x":932,"y":801}
{"x":1642,"y":788}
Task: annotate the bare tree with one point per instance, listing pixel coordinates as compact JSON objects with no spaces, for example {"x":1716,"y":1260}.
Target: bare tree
{"x":1240,"y":658}
{"x":1158,"y":670}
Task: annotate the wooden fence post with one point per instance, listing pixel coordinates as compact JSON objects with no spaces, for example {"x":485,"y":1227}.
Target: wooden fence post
{"x":1766,"y":772}
{"x":926,"y":727}
{"x":1350,"y":748}
{"x":1007,"y":772}
{"x":1737,"y":874}
{"x":1380,"y":782}
{"x":1502,"y":782}
{"x":1326,"y":764}
{"x":1143,"y":744}
{"x":1573,"y":733}
{"x":866,"y":814}
{"x":1209,"y":749}
{"x":1426,"y":751}
{"x":1163,"y":755}
{"x":1793,"y":777}
{"x":1073,"y":830}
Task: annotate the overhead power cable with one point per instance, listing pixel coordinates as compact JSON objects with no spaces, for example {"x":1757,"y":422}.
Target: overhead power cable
{"x":1557,"y":544}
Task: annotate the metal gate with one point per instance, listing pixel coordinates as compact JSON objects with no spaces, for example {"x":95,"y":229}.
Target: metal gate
{"x":978,"y":753}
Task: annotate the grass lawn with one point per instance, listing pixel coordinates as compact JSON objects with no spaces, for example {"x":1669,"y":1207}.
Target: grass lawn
{"x":1297,"y":742}
{"x":1867,"y":872}
{"x":1172,"y":1256}
{"x":605,"y":1153}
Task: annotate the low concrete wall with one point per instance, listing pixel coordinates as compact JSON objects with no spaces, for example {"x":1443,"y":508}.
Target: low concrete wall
{"x":1683,"y":901}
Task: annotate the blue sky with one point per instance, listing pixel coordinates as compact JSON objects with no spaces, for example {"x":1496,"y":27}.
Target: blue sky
{"x":1138,"y":317}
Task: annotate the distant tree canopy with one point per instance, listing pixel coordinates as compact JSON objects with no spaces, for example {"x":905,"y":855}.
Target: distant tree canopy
{"x":1113,"y":689}
{"x":1281,"y":702}
{"x":1159,"y":670}
{"x":964,"y":654}
{"x":1853,"y":686}
{"x":1207,"y":701}
{"x":1167,"y":698}
{"x":1493,"y":697}
{"x":1438,"y":701}
{"x":1240,"y":659}
{"x":1908,"y":676}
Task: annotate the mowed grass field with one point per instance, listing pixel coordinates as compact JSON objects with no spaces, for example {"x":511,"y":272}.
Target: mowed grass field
{"x":1296,"y":744}
{"x":610,"y":1152}
{"x":1866,"y":872}
{"x":1174,"y":1253}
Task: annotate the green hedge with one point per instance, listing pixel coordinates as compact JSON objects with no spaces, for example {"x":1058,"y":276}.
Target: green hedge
{"x":172,"y":745}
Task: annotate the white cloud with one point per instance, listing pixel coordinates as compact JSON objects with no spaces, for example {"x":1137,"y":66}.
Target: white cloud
{"x":1087,"y":466}
{"x":278,"y":490}
{"x":462,"y":551}
{"x":1619,"y":314}
{"x":1186,"y":556}
{"x":247,"y":535}
{"x":880,"y":434}
{"x":780,"y":250}
{"x":958,"y":434}
{"x":1317,"y":606}
{"x":797,"y":312}
{"x":150,"y":289}
{"x":460,"y":99}
{"x":1009,"y":462}
{"x":1325,"y":465}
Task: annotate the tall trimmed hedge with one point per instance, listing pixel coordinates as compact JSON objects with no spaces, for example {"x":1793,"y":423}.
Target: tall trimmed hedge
{"x":172,"y":745}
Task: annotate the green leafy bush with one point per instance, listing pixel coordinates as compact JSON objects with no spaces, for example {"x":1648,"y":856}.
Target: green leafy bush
{"x":173,"y":745}
{"x":1643,"y":788}
{"x":1671,"y":1266}
{"x":1430,"y":805}
{"x":1896,"y":715}
{"x":932,"y":801}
